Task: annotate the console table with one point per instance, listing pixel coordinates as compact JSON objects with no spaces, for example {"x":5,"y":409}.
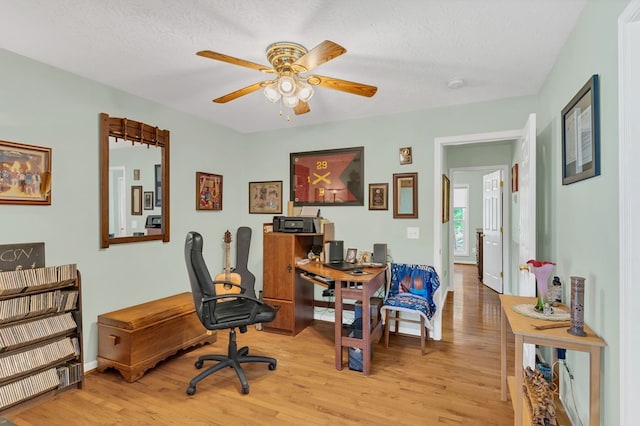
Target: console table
{"x":354,"y":287}
{"x":524,"y":331}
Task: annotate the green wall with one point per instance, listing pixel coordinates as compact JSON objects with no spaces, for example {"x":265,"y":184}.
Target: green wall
{"x":44,"y":106}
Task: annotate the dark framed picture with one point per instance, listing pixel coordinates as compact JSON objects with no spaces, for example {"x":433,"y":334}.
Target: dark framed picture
{"x":446,"y":199}
{"x":136,"y":200}
{"x":330,"y":177}
{"x":514,"y":178}
{"x":148,"y":200}
{"x":208,"y":191}
{"x":405,"y":195}
{"x":581,"y":134}
{"x":158,"y":184}
{"x":265,"y":197}
{"x":378,"y":196}
{"x":25,"y":174}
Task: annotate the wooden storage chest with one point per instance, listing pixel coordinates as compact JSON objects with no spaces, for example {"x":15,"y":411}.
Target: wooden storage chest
{"x":134,"y":339}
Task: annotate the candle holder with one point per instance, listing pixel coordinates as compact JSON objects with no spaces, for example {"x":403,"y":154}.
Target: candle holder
{"x":577,"y":307}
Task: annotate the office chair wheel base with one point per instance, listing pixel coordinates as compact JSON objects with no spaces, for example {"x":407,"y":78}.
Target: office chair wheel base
{"x":191,"y":390}
{"x":272,"y":366}
{"x":199,"y":364}
{"x":245,"y":391}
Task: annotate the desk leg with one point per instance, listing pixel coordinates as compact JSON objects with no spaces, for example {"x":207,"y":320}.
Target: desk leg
{"x":503,"y":354}
{"x":366,"y":330}
{"x":594,"y":386}
{"x":338,"y":324}
{"x":517,"y":392}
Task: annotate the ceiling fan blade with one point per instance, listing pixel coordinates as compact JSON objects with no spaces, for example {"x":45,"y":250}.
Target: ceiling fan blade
{"x":301,"y":108}
{"x":324,"y":52}
{"x":230,"y":59}
{"x":343,"y":85}
{"x":241,"y":92}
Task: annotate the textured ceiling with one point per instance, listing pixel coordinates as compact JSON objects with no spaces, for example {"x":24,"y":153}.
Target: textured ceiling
{"x":409,"y":49}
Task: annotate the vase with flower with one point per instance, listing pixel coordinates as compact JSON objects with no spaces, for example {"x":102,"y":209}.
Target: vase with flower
{"x":542,"y":270}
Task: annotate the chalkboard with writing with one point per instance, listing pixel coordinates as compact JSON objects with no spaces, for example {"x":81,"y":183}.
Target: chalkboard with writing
{"x":14,"y":257}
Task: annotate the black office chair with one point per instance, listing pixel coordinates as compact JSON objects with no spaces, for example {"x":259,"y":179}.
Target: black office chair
{"x":222,"y":312}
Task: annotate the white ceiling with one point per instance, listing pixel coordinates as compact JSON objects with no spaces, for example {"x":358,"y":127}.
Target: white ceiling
{"x":410,"y":49}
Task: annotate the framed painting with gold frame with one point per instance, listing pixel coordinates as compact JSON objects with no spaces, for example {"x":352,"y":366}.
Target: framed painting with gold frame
{"x":25,"y":174}
{"x":446,"y":199}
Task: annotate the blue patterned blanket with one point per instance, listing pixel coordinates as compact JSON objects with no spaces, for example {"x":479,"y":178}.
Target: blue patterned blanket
{"x":412,"y":289}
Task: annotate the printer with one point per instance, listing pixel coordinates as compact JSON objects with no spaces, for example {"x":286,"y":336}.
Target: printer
{"x":298,"y":224}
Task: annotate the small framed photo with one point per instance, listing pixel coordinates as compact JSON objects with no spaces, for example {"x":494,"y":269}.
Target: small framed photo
{"x":378,"y":196}
{"x":514,"y":178}
{"x":136,"y":174}
{"x":351,"y":255}
{"x":581,"y":134}
{"x":25,"y":174}
{"x":265,"y":197}
{"x":136,"y":200}
{"x":405,"y":155}
{"x":148,"y":200}
{"x":208,"y":191}
{"x":267,"y":227}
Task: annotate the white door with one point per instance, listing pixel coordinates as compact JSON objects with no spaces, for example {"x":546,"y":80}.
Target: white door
{"x":492,"y":230}
{"x":527,"y":195}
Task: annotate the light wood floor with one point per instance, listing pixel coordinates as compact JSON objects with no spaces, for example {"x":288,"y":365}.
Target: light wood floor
{"x":456,"y":382}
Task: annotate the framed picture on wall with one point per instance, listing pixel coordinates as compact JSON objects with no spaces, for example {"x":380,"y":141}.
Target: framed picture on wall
{"x":208,"y":191}
{"x":265,"y":197}
{"x":581,"y":134}
{"x":333,"y":177}
{"x":25,"y":174}
{"x":136,"y":200}
{"x":446,"y":199}
{"x":148,"y":200}
{"x":378,"y":196}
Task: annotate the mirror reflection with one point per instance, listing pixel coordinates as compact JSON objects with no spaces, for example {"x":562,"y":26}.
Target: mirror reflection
{"x":132,"y":166}
{"x":405,"y":195}
{"x":134,"y":177}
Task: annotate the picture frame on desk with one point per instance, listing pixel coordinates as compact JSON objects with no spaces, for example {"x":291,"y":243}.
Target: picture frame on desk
{"x":25,"y":176}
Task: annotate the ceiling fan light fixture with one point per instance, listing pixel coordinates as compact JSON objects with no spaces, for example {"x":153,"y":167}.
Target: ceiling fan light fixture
{"x":304,"y":91}
{"x":290,"y":101}
{"x":271,"y":92}
{"x":286,"y":85}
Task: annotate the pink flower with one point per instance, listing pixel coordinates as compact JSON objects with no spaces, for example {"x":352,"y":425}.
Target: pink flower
{"x":542,"y":271}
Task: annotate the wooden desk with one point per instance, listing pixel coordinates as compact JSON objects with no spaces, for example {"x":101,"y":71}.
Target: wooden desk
{"x":522,"y":327}
{"x":356,"y":287}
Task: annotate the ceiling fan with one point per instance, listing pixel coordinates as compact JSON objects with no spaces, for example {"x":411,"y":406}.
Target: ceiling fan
{"x":288,"y":62}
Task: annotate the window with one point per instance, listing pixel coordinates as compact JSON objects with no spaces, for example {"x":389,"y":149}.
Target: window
{"x":461,"y":220}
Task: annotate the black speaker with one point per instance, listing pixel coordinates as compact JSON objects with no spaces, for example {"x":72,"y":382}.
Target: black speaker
{"x":379,"y":253}
{"x":336,"y":251}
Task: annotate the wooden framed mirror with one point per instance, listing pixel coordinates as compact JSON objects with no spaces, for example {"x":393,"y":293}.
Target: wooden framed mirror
{"x":132,"y":155}
{"x":405,"y":195}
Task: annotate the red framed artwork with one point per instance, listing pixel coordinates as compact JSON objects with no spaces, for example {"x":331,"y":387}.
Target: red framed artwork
{"x":208,"y":191}
{"x":330,"y":177}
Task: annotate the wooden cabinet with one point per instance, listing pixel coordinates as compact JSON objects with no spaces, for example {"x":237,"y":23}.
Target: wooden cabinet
{"x":291,"y":296}
{"x":40,"y":333}
{"x":293,"y":303}
{"x":479,"y":260}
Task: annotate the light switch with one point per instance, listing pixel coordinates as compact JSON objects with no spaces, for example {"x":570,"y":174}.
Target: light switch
{"x":413,"y":233}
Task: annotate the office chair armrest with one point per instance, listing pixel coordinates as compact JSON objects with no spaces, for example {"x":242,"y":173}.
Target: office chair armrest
{"x":242,"y":289}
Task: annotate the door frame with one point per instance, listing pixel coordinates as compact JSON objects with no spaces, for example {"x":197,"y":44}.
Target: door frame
{"x":439,"y":145}
{"x":629,"y":231}
{"x":506,"y":222}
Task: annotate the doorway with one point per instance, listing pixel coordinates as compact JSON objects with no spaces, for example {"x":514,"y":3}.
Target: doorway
{"x":478,"y":218}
